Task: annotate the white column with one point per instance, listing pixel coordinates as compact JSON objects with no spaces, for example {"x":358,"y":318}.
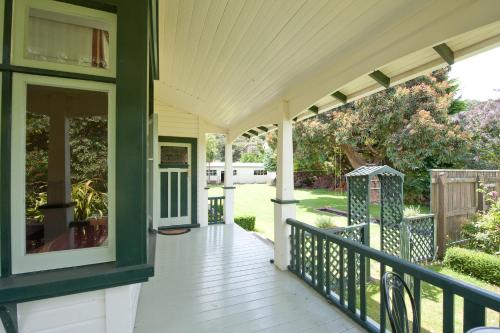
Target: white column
{"x":228,"y":183}
{"x":202,"y":179}
{"x":284,"y":204}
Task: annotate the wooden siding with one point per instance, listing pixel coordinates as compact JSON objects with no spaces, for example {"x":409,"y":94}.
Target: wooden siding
{"x":172,"y":122}
{"x":101,"y":311}
{"x":219,"y":279}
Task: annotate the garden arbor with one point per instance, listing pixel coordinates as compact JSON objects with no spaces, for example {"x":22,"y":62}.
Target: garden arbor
{"x":391,"y":203}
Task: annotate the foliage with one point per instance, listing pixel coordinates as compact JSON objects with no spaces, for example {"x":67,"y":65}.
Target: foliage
{"x":483,"y":232}
{"x":88,"y":201}
{"x":407,"y":127}
{"x":211,"y":148}
{"x":270,"y":159}
{"x":411,"y":211}
{"x":324,"y":222}
{"x":33,"y":203}
{"x":252,"y":157}
{"x":482,"y":121}
{"x":478,"y":264}
{"x":247,"y":222}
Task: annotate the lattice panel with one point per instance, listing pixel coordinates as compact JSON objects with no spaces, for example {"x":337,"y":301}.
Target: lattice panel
{"x":307,"y":251}
{"x":358,"y":200}
{"x":355,"y":234}
{"x":421,"y":238}
{"x":391,"y":214}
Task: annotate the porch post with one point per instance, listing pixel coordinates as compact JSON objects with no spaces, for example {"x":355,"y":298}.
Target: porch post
{"x":228,"y":183}
{"x":285,"y":203}
{"x":202,"y":180}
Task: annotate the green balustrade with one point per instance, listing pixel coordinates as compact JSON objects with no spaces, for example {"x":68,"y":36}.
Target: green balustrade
{"x":216,"y":210}
{"x":333,"y":263}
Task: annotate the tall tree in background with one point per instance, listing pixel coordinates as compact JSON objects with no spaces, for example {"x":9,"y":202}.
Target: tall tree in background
{"x":407,"y":126}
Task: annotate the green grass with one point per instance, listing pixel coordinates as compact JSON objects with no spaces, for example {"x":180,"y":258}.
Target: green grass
{"x":255,"y":199}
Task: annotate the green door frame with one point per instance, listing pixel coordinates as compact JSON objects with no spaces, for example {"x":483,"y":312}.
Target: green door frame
{"x":194,"y":175}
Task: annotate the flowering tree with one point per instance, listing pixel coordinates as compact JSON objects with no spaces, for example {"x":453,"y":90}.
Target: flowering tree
{"x":482,"y":121}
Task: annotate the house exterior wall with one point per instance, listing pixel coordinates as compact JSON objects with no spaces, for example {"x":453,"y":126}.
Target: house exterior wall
{"x":107,"y":310}
{"x":244,"y":173}
{"x":179,"y":123}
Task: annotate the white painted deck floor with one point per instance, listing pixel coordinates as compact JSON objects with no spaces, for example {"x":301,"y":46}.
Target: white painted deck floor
{"x":219,"y":279}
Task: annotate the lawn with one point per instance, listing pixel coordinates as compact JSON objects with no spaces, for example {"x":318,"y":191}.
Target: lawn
{"x":255,"y":199}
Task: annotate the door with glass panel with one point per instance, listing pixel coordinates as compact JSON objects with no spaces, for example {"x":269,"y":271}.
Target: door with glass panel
{"x":175,"y":184}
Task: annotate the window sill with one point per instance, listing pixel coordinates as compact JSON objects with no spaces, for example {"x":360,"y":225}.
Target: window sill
{"x":59,"y":282}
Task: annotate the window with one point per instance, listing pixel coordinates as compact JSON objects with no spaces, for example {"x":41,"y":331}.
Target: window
{"x":63,"y":155}
{"x":235,"y":172}
{"x":174,"y":155}
{"x":211,"y":172}
{"x":259,"y":172}
{"x":58,"y":36}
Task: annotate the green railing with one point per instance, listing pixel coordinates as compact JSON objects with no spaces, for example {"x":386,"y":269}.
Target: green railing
{"x":216,"y":210}
{"x":336,"y":268}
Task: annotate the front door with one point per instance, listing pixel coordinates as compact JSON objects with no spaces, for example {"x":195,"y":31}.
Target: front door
{"x":175,"y":183}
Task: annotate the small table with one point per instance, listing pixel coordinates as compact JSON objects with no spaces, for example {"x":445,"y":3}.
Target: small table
{"x":484,"y":330}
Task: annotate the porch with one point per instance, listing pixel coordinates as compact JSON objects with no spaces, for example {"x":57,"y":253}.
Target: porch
{"x":219,"y":279}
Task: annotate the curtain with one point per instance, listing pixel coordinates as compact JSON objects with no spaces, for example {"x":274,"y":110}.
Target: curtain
{"x":61,"y":42}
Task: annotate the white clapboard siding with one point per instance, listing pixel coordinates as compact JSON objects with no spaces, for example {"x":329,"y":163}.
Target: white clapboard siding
{"x":110,"y":310}
{"x":172,"y":122}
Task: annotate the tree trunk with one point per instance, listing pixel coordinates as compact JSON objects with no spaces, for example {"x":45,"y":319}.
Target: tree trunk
{"x":355,"y":158}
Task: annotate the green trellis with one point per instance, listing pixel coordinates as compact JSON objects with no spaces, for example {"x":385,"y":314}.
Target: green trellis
{"x":391,"y":202}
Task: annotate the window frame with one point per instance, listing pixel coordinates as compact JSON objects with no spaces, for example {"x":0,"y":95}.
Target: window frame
{"x":19,"y":35}
{"x":21,"y":261}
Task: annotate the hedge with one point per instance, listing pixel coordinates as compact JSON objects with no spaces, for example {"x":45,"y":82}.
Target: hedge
{"x":478,"y":264}
{"x":247,"y":222}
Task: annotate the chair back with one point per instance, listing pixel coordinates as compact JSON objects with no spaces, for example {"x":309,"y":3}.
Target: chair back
{"x":396,"y":292}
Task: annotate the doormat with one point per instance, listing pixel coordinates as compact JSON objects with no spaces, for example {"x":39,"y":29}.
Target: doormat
{"x":171,"y":232}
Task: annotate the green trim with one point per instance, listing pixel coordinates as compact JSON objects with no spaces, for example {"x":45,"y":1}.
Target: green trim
{"x":184,"y":194}
{"x":285,"y":202}
{"x":194,"y":171}
{"x":228,"y":187}
{"x":246,"y":135}
{"x":164,"y":194}
{"x":445,"y":52}
{"x":254,"y":132}
{"x":40,"y":285}
{"x":5,"y":170}
{"x":381,"y":78}
{"x":314,"y":109}
{"x":263,"y":128}
{"x":167,"y":227}
{"x":131,"y":128}
{"x":153,"y":35}
{"x":8,"y":314}
{"x":173,"y":165}
{"x":339,"y":96}
{"x":54,"y":73}
{"x":105,"y":7}
{"x":7,"y":31}
{"x":174,"y":194}
{"x":5,"y":148}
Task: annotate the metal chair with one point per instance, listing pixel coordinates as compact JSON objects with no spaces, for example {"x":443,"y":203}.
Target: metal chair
{"x":395,"y":289}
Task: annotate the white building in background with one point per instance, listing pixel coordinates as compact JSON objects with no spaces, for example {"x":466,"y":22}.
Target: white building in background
{"x":243,"y":173}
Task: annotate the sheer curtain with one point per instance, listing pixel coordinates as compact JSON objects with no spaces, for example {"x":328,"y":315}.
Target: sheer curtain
{"x":62,"y":42}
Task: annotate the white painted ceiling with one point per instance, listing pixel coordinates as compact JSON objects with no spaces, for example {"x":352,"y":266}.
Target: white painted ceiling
{"x":231,"y":60}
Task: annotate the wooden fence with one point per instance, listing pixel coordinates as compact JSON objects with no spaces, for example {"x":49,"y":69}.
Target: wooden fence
{"x":455,"y":199}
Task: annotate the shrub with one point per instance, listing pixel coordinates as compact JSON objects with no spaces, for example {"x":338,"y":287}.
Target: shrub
{"x":324,"y":222}
{"x":247,"y":222}
{"x":480,"y":265}
{"x":411,"y":211}
{"x":483,"y":232}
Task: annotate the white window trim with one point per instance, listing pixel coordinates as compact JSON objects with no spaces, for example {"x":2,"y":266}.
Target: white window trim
{"x":19,"y":34}
{"x":21,"y":261}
